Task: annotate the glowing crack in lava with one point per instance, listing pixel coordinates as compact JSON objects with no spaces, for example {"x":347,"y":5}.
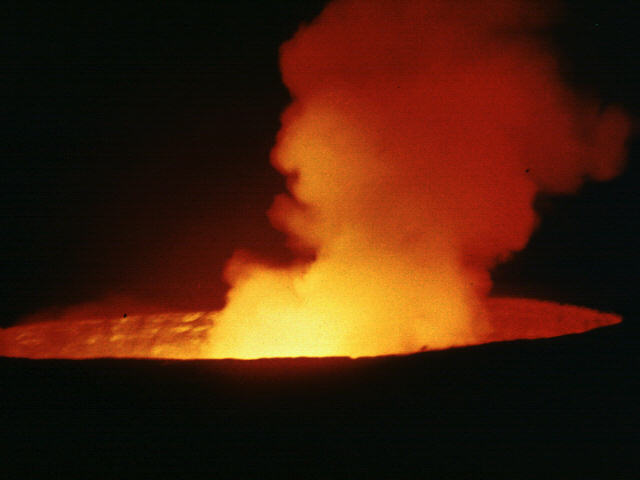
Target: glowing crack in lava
{"x":419,"y":135}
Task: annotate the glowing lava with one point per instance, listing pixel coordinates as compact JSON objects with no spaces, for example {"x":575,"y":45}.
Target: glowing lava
{"x":419,"y":136}
{"x":184,"y":336}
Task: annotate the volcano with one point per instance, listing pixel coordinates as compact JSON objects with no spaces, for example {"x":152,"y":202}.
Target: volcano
{"x":443,"y":285}
{"x":414,"y":162}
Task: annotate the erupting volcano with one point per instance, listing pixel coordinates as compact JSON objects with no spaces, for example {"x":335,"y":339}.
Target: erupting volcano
{"x":419,"y":135}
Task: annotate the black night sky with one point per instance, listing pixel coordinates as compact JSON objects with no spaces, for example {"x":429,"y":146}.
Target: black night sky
{"x":137,"y":148}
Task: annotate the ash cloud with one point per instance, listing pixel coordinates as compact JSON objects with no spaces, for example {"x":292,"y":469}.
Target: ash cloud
{"x":419,"y":136}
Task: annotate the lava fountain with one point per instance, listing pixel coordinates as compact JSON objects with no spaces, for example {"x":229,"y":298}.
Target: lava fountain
{"x":419,"y":135}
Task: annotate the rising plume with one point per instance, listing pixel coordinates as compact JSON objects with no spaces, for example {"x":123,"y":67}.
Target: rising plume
{"x":418,"y":137}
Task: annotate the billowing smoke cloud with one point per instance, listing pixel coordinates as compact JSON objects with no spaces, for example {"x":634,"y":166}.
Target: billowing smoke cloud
{"x":419,"y":136}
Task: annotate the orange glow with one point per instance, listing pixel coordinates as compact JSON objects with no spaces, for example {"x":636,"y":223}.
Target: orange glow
{"x":351,"y":305}
{"x":186,"y":335}
{"x":173,"y":335}
{"x":419,"y":136}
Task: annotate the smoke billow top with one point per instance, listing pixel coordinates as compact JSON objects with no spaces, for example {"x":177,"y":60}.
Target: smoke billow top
{"x":419,"y":135}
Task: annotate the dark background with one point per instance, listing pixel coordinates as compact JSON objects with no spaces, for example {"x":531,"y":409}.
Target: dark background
{"x":137,"y":139}
{"x":563,"y":408}
{"x":135,"y":145}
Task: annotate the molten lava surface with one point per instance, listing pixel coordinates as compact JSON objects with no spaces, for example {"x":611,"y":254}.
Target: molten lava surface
{"x":193,"y":335}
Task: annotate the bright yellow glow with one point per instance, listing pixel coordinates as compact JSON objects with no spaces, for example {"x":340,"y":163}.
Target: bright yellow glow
{"x":338,"y":307}
{"x":163,"y":336}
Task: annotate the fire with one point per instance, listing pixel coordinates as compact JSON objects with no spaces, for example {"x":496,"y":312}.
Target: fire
{"x":419,"y":136}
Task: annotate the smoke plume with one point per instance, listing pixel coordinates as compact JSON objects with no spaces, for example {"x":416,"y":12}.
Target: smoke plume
{"x":419,"y":135}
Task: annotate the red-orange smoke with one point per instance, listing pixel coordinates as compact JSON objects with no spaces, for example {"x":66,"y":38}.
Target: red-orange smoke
{"x":419,"y":135}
